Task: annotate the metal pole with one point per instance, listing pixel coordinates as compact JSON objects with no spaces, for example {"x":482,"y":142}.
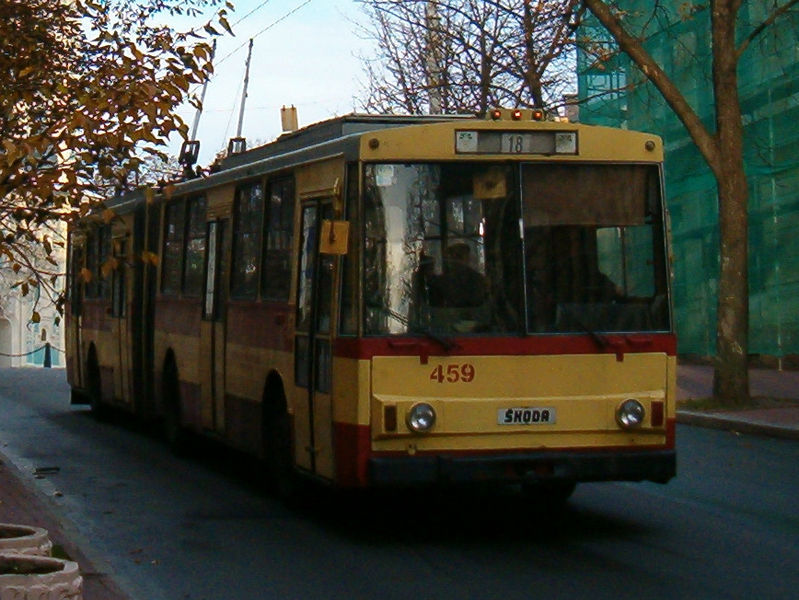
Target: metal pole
{"x":244,"y":93}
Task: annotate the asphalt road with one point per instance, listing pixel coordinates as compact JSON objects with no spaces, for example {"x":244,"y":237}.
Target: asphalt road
{"x":176,"y":529}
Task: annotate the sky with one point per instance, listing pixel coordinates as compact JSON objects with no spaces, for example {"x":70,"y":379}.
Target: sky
{"x":305,"y":53}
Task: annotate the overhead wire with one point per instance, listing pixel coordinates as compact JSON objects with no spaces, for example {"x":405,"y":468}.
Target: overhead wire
{"x":257,"y":8}
{"x":264,"y":30}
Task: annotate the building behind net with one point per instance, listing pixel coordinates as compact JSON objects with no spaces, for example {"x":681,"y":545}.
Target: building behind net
{"x":613,"y":92}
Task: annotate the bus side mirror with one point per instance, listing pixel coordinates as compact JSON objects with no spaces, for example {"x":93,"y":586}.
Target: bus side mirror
{"x":335,"y":237}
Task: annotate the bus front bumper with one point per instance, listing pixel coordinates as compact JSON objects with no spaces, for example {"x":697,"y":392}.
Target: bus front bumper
{"x":652,"y":465}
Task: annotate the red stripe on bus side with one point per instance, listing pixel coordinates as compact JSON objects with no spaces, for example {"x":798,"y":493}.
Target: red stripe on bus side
{"x":260,"y":325}
{"x":366,"y":348}
{"x":253,"y":324}
{"x":178,"y":315}
{"x":95,"y":315}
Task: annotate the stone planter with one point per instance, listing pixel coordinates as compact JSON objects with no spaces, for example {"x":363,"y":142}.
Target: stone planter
{"x":26,"y":577}
{"x":22,"y":539}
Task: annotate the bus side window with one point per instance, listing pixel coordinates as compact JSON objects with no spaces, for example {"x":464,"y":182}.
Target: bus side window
{"x":195,"y":248}
{"x":247,"y":223}
{"x":278,"y":239}
{"x":172,"y":255}
{"x":98,"y":242}
{"x":118,"y":276}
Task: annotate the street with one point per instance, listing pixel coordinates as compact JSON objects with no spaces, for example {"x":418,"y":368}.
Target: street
{"x":201,"y":528}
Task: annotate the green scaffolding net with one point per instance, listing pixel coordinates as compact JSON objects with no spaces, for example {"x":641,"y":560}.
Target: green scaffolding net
{"x":613,"y":92}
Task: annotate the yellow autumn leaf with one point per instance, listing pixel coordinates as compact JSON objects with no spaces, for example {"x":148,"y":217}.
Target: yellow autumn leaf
{"x":108,"y":267}
{"x":149,"y":258}
{"x":226,"y":25}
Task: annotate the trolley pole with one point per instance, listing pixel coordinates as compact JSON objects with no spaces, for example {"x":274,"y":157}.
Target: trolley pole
{"x":244,"y":93}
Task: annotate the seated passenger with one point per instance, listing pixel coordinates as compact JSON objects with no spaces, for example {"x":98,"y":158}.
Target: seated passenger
{"x":460,"y":285}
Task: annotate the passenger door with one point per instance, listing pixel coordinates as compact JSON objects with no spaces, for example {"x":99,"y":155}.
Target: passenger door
{"x":120,"y":321}
{"x":213,"y":329}
{"x":312,"y":357}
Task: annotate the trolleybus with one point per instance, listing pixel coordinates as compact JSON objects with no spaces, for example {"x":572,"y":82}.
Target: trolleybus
{"x":393,"y":301}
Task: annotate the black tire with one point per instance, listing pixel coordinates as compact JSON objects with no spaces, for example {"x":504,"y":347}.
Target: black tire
{"x":549,"y":494}
{"x":94,"y":386}
{"x":175,"y":434}
{"x":280,"y":475}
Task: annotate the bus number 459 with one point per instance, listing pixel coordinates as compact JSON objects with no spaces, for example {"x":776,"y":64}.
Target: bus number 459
{"x":453,"y":373}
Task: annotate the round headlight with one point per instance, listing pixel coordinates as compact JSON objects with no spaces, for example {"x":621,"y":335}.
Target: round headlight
{"x":630,"y":414}
{"x":421,"y":417}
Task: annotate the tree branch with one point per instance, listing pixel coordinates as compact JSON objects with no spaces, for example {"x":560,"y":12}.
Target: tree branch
{"x":763,"y":26}
{"x":705,"y":141}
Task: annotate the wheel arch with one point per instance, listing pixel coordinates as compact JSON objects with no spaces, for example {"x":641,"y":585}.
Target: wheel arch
{"x":274,"y":399}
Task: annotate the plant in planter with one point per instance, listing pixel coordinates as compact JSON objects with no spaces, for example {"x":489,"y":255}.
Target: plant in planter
{"x":41,"y":577}
{"x":24,"y":540}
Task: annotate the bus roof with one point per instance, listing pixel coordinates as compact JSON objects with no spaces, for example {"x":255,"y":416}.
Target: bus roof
{"x":332,"y":129}
{"x":323,"y":132}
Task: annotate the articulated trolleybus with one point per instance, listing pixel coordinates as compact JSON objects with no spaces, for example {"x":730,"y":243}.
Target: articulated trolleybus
{"x":383,"y":301}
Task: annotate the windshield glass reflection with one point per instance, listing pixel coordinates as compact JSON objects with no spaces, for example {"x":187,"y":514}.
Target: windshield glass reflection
{"x":453,"y":249}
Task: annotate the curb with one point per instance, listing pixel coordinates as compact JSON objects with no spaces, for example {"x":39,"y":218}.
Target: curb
{"x":727,"y":423}
{"x":100,"y":582}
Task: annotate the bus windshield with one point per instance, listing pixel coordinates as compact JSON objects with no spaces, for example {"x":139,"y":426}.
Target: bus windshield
{"x":487,"y":248}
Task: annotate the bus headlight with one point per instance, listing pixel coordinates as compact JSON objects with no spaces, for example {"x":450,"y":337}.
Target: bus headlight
{"x":421,"y":417}
{"x":630,"y":414}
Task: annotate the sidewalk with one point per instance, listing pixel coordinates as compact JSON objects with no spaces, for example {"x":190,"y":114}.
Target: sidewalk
{"x":776,"y":419}
{"x":22,"y":503}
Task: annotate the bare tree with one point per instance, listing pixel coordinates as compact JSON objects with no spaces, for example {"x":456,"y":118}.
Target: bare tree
{"x":469,"y":55}
{"x":721,"y":145}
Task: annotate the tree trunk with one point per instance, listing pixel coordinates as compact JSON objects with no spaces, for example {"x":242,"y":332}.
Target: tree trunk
{"x":731,"y":377}
{"x":531,"y":74}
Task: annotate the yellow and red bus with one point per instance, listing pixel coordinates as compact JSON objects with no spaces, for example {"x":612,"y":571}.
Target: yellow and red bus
{"x":387,"y":300}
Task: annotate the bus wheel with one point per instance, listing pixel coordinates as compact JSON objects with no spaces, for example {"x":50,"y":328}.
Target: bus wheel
{"x":176,"y":436}
{"x":277,"y":454}
{"x":550,"y":494}
{"x":94,"y":386}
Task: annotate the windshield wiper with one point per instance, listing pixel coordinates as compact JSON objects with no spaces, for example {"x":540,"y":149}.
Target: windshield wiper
{"x":603,"y":342}
{"x":599,"y":339}
{"x":445,"y":343}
